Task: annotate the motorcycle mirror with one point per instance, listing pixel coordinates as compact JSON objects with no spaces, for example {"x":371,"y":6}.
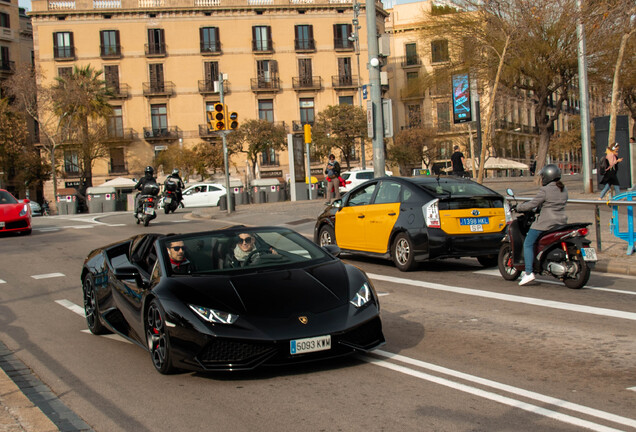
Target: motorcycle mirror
{"x":510,"y":192}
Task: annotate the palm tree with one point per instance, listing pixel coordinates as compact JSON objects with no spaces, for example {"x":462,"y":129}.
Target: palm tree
{"x":81,"y":103}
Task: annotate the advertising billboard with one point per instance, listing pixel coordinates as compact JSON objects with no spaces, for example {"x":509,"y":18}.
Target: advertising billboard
{"x":461,"y":98}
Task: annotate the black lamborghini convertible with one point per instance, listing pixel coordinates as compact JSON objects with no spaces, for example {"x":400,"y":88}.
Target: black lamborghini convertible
{"x":285,"y":300}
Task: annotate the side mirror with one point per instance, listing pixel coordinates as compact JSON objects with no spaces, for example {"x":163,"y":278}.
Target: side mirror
{"x":127,"y":273}
{"x":510,"y":192}
{"x":332,"y":249}
{"x":337,"y":203}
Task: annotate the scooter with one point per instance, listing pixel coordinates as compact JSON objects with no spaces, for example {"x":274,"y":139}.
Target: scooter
{"x":562,"y":252}
{"x":170,"y":201}
{"x":46,"y":210}
{"x":148,"y":200}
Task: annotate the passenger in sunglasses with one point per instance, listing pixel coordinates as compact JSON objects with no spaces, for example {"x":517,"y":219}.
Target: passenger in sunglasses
{"x":178,"y":260}
{"x":245,"y":251}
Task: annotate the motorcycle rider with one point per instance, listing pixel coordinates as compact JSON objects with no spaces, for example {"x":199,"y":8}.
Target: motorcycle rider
{"x":176,"y":178}
{"x":550,"y":204}
{"x":147,"y":178}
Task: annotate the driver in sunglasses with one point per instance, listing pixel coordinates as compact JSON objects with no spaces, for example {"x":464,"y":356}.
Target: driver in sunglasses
{"x":245,"y":251}
{"x":178,"y":260}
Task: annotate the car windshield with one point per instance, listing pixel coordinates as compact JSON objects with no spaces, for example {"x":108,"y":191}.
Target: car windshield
{"x":7,"y":198}
{"x":239,"y":250}
{"x":447,"y":187}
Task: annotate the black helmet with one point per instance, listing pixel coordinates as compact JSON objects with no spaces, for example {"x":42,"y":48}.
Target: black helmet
{"x":550,"y":173}
{"x":175,"y":172}
{"x":149,"y":170}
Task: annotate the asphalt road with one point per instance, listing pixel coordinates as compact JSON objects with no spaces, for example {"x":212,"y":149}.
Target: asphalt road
{"x":466,"y":350}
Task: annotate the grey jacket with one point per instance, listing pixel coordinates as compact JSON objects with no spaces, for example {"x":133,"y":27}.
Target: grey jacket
{"x":552,"y":202}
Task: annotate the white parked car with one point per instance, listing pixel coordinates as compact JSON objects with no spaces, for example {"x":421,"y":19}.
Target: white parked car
{"x":355,"y":177}
{"x":203,"y":195}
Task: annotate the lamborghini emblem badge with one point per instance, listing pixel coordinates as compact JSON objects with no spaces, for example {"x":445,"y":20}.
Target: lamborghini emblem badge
{"x":303,"y":319}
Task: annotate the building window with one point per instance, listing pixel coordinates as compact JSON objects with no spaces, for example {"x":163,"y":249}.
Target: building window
{"x":155,"y":72}
{"x":262,"y":38}
{"x":159,"y":118}
{"x":109,"y":43}
{"x":345,"y":100}
{"x":117,"y":160}
{"x":4,"y":20}
{"x":71,"y":162}
{"x":414,"y":116}
{"x":111,"y":76}
{"x":341,"y":33}
{"x":267,"y":73}
{"x":63,"y":45}
{"x":307,"y":111}
{"x":304,"y":38}
{"x":266,"y":110}
{"x":210,"y":42}
{"x":64,"y":72}
{"x":115,"y":125}
{"x":268,"y":157}
{"x":411,"y":54}
{"x":411,"y":79}
{"x":5,"y":60}
{"x":156,"y":42}
{"x":439,"y":51}
{"x":344,"y":71}
{"x":211,"y":73}
{"x":304,"y":72}
{"x":443,"y":117}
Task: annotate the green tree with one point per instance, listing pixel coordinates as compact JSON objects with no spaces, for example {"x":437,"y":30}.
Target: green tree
{"x":412,"y":147}
{"x":209,"y":158}
{"x":80,"y":100}
{"x":256,"y":136}
{"x":176,"y":157}
{"x":339,"y":126}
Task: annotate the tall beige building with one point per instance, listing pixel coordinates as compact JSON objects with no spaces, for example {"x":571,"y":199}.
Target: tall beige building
{"x":285,"y":60}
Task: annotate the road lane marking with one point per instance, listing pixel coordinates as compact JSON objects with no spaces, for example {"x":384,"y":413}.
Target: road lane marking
{"x":631,"y":388}
{"x":509,"y":297}
{"x":491,"y":272}
{"x":48,"y":275}
{"x":494,"y":396}
{"x":2,"y":281}
{"x":508,"y":388}
{"x":71,"y":306}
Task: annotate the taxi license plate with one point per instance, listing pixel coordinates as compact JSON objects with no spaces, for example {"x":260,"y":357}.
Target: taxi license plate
{"x":302,"y":346}
{"x":474,"y":221}
{"x":476,"y":228}
{"x":589,"y":254}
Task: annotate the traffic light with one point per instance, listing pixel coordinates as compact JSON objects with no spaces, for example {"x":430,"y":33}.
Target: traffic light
{"x":307,"y":128}
{"x":218,"y":117}
{"x":233,"y":120}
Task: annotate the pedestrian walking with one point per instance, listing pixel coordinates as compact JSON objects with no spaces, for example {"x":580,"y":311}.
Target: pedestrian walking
{"x":332,"y":171}
{"x":457,"y":159}
{"x":610,"y":176}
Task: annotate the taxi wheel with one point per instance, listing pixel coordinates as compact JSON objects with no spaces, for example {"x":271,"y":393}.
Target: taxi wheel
{"x":327,"y":236}
{"x":402,"y":253}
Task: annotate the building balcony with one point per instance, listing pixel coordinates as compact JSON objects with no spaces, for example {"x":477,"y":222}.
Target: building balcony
{"x":110,"y":51}
{"x":155,"y":50}
{"x":119,"y":91}
{"x":263,"y":46}
{"x":210,"y":48}
{"x":265,"y":85}
{"x":342,"y":44}
{"x":161,"y":134}
{"x":206,"y":133}
{"x":207,"y":87}
{"x":158,"y":89}
{"x":305,"y":45}
{"x":120,"y":135}
{"x":302,"y":83}
{"x":412,"y":92}
{"x":343,"y":82}
{"x":64,"y":53}
{"x":411,"y":62}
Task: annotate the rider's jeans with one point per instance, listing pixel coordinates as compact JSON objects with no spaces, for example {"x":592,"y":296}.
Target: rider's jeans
{"x":528,"y":248}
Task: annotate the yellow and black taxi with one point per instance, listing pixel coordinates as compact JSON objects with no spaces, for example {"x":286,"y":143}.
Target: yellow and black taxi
{"x":410,"y":220}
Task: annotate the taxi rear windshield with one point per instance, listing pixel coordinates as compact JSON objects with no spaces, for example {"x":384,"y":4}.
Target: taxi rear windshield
{"x":454,"y":195}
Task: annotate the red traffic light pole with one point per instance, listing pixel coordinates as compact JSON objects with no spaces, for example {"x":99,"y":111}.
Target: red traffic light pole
{"x":224,"y":133}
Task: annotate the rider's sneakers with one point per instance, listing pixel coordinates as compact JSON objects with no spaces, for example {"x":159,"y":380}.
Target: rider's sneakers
{"x":526,"y":279}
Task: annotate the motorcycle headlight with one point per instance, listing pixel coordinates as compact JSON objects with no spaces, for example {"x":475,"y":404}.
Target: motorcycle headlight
{"x":214,"y":316}
{"x":363,"y":296}
{"x":25,"y":210}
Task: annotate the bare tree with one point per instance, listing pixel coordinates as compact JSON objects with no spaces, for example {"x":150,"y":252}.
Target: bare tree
{"x":412,"y":147}
{"x":255,"y":137}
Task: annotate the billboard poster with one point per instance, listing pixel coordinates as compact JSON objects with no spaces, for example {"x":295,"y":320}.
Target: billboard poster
{"x":461,"y":98}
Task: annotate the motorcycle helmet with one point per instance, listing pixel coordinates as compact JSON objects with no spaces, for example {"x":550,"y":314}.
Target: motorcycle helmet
{"x":175,"y":172}
{"x":550,"y":173}
{"x":149,"y":170}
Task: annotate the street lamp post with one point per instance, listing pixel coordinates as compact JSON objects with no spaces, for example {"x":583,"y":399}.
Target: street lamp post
{"x":356,"y":38}
{"x":376,"y":91}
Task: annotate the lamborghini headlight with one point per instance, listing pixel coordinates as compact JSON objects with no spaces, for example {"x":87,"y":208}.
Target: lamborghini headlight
{"x":24,"y":210}
{"x":213,"y":315}
{"x":363,"y":296}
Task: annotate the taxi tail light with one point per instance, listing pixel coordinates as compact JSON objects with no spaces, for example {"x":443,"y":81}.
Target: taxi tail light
{"x":431,"y":214}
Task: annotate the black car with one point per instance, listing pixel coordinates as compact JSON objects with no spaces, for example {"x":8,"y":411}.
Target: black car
{"x":416,"y":219}
{"x":284,"y":300}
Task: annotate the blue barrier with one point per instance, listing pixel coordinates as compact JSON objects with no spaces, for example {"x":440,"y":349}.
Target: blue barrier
{"x":629,"y":236}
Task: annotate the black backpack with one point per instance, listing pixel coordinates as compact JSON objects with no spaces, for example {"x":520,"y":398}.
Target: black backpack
{"x":602,"y":165}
